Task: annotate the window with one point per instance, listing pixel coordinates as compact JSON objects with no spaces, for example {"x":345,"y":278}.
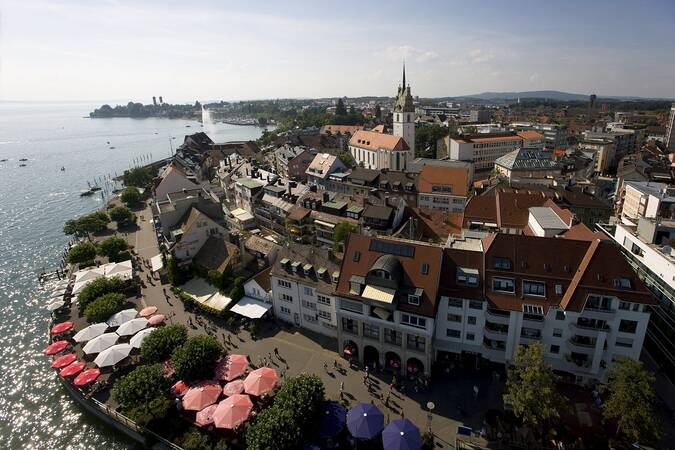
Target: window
{"x":455,"y":302}
{"x":470,"y":336}
{"x":636,"y":307}
{"x":284,"y":284}
{"x":371,"y":331}
{"x":628,"y":326}
{"x":356,"y":256}
{"x":597,"y":302}
{"x":413,"y":299}
{"x":622,"y":283}
{"x":503,"y":285}
{"x":624,"y":305}
{"x":308,"y":305}
{"x":309,"y":318}
{"x":452,"y":333}
{"x":308,"y":290}
{"x":350,"y":305}
{"x":560,"y":315}
{"x":424,"y":268}
{"x":287,"y":298}
{"x":534,"y":288}
{"x":355,"y":287}
{"x":557,"y":332}
{"x":533,"y":309}
{"x":414,"y":342}
{"x":323,"y":299}
{"x":413,"y":321}
{"x":285,"y":310}
{"x":500,"y":263}
{"x":471,"y":320}
{"x":558,"y":289}
{"x":392,"y":337}
{"x":624,"y":342}
{"x":324,"y":314}
{"x":475,"y":304}
{"x":454,"y":318}
{"x":555,"y":349}
{"x":350,"y":326}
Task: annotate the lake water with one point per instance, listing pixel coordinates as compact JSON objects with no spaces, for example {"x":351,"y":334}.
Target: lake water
{"x":35,"y":201}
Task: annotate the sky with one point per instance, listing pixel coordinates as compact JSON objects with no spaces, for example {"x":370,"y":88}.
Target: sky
{"x":110,"y":50}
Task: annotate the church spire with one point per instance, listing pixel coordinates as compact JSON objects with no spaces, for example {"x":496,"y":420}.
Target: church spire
{"x":403,"y":75}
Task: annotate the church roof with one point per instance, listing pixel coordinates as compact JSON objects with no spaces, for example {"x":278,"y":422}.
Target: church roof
{"x":374,"y":141}
{"x":404,"y":100}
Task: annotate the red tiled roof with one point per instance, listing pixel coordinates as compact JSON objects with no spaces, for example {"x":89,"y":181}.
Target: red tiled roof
{"x":374,"y":141}
{"x":455,"y":177}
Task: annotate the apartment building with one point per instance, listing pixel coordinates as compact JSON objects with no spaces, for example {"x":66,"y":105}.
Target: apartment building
{"x":442,"y":188}
{"x":484,"y":149}
{"x":647,"y":199}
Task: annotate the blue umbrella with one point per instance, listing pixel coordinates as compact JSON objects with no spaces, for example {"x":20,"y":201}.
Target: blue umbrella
{"x":401,"y":434}
{"x":332,"y":420}
{"x":365,"y":421}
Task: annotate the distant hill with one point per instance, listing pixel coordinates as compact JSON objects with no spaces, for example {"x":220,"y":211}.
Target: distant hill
{"x":551,"y":95}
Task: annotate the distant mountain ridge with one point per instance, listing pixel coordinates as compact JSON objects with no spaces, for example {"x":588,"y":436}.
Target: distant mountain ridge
{"x":551,"y":95}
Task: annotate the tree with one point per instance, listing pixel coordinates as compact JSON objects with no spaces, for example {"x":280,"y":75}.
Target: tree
{"x":83,"y":252}
{"x":131,"y":197}
{"x":378,"y":112}
{"x":340,"y":109}
{"x":105,"y":306}
{"x":112,"y":247}
{"x":197,"y":358}
{"x":346,"y":158}
{"x":142,"y":394}
{"x":97,"y":288}
{"x":194,"y":440}
{"x":175,"y":274}
{"x":161,"y":343}
{"x":138,"y":177}
{"x":530,"y":387}
{"x":90,"y":223}
{"x":340,"y":233}
{"x":631,"y":401}
{"x":122,"y":215}
{"x":237,"y":291}
{"x":426,"y":138}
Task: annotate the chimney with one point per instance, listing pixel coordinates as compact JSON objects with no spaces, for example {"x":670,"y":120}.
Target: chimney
{"x":289,"y":188}
{"x":326,"y":197}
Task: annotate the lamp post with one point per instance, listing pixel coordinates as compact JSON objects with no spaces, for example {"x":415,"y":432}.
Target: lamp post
{"x":430,"y":407}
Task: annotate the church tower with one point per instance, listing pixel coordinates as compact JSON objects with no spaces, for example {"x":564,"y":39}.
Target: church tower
{"x":404,"y":117}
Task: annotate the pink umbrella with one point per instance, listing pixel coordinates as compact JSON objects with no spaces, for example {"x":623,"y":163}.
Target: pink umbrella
{"x":261,"y":381}
{"x":232,"y":411}
{"x":87,"y":377}
{"x":72,"y":369}
{"x":156,"y":320}
{"x":147,"y":311}
{"x":205,"y":416}
{"x":179,"y":389}
{"x":56,"y":347}
{"x":233,"y":387}
{"x":62,"y":327}
{"x":63,"y":361}
{"x":168,"y":368}
{"x":201,"y":396}
{"x":231,"y":367}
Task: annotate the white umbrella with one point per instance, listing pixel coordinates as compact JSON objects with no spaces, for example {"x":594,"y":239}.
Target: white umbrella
{"x":62,"y":284}
{"x":137,"y":339}
{"x":100,"y":343}
{"x":56,"y":304}
{"x":58,"y":293}
{"x":91,"y":332}
{"x":113,"y":355}
{"x":123,"y":316}
{"x":132,"y":327}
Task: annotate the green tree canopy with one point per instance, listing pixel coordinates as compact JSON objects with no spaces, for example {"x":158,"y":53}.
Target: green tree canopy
{"x":138,"y":177}
{"x":142,"y":394}
{"x":346,"y":158}
{"x":99,"y":287}
{"x":530,"y":388}
{"x":105,"y":306}
{"x":177,"y":275}
{"x":340,"y":109}
{"x":131,"y":197}
{"x":82,"y":253}
{"x":426,"y":138}
{"x":161,"y":343}
{"x":90,"y":223}
{"x":237,"y":291}
{"x":197,"y":358}
{"x":631,"y":401}
{"x":112,"y":247}
{"x":194,"y":439}
{"x":122,"y":215}
{"x":378,"y":112}
{"x":340,"y":234}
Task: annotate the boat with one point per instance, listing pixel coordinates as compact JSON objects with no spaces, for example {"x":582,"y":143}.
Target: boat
{"x":22,"y":165}
{"x":63,"y":169}
{"x":112,"y":148}
{"x":187,"y":126}
{"x":3,"y":160}
{"x":95,"y":188}
{"x":23,"y":159}
{"x":86,"y":193}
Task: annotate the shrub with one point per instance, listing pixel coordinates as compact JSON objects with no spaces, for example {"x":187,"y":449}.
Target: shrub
{"x":112,"y":247}
{"x":160,"y":344}
{"x":122,"y":215}
{"x":197,"y":358}
{"x":82,"y":252}
{"x":177,"y":275}
{"x":142,"y":394}
{"x":131,"y":197}
{"x":99,"y":287}
{"x":105,"y":306}
{"x":237,"y":291}
{"x":90,"y":223}
{"x":138,"y":176}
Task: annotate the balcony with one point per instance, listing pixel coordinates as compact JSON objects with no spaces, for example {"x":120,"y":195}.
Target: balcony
{"x":495,"y":334}
{"x":598,"y":313}
{"x":498,"y":316}
{"x":580,"y":363}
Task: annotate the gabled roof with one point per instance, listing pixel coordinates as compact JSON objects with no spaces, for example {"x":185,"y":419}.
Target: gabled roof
{"x":528,"y":159}
{"x":192,"y":216}
{"x":375,"y":141}
{"x":263,"y":279}
{"x":340,"y":129}
{"x":216,"y":254}
{"x":456,"y":178}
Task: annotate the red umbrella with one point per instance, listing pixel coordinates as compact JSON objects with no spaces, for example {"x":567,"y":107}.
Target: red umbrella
{"x":87,"y":377}
{"x":63,"y":361}
{"x":56,"y":347}
{"x":232,"y":411}
{"x":179,"y":389}
{"x":62,"y":327}
{"x":205,"y":416}
{"x":261,"y":381}
{"x":148,"y":311}
{"x":233,"y":387}
{"x":201,"y":396}
{"x":231,"y":367}
{"x":156,"y":320}
{"x":72,"y":369}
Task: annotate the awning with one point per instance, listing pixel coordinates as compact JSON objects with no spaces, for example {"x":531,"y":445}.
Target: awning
{"x":381,"y":313}
{"x":251,"y":308}
{"x":381,"y":294}
{"x":325,"y":224}
{"x":156,"y":262}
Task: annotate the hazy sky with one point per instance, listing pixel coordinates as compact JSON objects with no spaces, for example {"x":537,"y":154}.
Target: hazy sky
{"x":189,"y":50}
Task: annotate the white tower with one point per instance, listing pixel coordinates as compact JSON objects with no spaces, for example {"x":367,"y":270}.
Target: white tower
{"x":404,"y":118}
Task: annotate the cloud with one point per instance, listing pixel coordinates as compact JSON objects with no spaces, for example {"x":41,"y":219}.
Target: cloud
{"x":410,"y":53}
{"x":534,"y":77}
{"x":478,"y":55}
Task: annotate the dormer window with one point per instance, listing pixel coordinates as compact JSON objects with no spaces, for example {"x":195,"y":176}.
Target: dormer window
{"x":467,"y":276}
{"x":424,"y":269}
{"x":335,"y":277}
{"x":356,"y":256}
{"x":501,"y":263}
{"x":413,"y":299}
{"x":622,"y":283}
{"x":382,"y":274}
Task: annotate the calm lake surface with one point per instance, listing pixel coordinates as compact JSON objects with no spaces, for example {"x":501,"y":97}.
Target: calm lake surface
{"x":35,"y":201}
